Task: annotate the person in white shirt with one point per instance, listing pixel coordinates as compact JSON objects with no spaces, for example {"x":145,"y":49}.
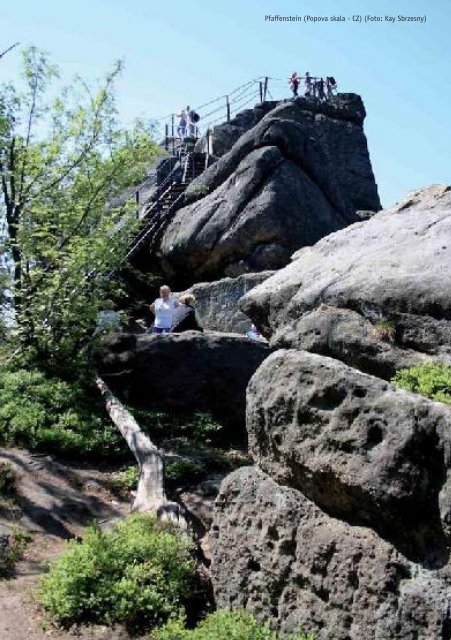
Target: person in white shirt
{"x":163,"y":308}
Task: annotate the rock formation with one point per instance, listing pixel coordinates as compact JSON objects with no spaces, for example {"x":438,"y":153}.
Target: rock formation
{"x":343,"y":527}
{"x":300,"y":173}
{"x":216,"y":307}
{"x":191,"y":371}
{"x":277,"y":554}
{"x":225,"y":135}
{"x":376,"y":295}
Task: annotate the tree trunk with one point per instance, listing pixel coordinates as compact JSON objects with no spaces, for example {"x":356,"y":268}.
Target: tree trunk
{"x":150,"y":495}
{"x":12,"y":218}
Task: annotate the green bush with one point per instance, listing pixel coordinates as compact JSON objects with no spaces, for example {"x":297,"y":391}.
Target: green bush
{"x":183,"y":472}
{"x":199,"y":426}
{"x":52,"y":415}
{"x":224,"y":625}
{"x":139,"y":574}
{"x":385,"y":329}
{"x":125,"y":480}
{"x":12,"y":548}
{"x":179,"y":471}
{"x":430,"y":380}
{"x":7,"y":479}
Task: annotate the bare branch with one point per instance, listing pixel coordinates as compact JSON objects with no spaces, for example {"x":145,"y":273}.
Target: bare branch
{"x":150,"y":494}
{"x":8,"y":49}
{"x":29,"y":128}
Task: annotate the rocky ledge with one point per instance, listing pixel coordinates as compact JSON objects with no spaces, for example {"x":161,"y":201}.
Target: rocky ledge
{"x":300,"y":173}
{"x":376,"y":295}
{"x":191,"y":371}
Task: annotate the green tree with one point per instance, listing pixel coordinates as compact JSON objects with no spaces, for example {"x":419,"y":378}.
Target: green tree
{"x":65,"y":162}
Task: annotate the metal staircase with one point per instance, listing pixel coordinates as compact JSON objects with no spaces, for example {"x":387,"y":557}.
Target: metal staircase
{"x":158,"y":209}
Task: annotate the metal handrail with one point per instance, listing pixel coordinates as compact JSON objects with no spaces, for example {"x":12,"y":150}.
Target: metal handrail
{"x":154,"y":177}
{"x":235,"y":101}
{"x":151,"y":227}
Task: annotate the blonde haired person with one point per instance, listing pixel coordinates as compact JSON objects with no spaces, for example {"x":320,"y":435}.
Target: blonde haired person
{"x":164,"y":309}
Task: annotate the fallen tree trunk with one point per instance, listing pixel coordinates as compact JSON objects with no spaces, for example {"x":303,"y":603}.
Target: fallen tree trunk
{"x":150,"y":494}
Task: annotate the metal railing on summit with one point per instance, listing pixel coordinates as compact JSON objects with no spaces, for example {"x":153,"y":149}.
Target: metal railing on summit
{"x":219,"y":110}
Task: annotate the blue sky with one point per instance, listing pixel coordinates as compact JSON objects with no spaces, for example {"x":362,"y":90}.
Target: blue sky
{"x":181,"y":52}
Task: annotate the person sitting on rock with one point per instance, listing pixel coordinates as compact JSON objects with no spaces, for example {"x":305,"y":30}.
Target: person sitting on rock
{"x":164,"y":310}
{"x":255,"y":335}
{"x":294,"y":84}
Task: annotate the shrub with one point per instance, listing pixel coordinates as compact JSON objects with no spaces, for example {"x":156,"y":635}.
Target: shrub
{"x":125,"y":480}
{"x":224,"y":625}
{"x":385,"y":330}
{"x":183,"y":472}
{"x":199,"y":426}
{"x":139,"y":574}
{"x":52,"y":415}
{"x":430,"y":380}
{"x":179,"y":471}
{"x":200,"y":190}
{"x":12,"y":548}
{"x":7,"y":479}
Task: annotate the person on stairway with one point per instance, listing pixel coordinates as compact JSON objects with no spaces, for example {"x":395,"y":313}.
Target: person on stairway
{"x":181,"y":129}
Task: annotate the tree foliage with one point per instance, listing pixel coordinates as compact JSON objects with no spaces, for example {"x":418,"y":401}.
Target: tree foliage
{"x":65,"y":161}
{"x":50,"y":414}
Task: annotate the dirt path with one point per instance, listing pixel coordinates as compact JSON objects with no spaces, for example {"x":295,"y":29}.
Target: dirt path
{"x":55,"y":502}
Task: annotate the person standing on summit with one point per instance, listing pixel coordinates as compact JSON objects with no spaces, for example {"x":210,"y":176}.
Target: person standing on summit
{"x":308,"y":84}
{"x":294,"y":84}
{"x":181,"y":129}
{"x":320,"y":89}
{"x":331,"y":86}
{"x":193,"y":119}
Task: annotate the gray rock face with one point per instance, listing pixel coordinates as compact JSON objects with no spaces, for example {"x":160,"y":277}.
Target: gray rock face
{"x":216,"y":306}
{"x":344,"y":525}
{"x":360,"y":449}
{"x":226,"y":134}
{"x":280,"y":556}
{"x":300,"y":173}
{"x":376,"y":295}
{"x":189,"y":371}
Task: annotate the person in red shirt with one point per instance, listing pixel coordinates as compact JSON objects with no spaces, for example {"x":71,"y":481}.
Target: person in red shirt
{"x":294,"y":84}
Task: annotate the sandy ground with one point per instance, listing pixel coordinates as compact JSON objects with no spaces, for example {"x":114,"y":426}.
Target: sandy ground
{"x":55,"y":502}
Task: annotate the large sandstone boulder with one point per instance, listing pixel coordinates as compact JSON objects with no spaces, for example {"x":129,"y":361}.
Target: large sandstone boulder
{"x":283,"y":558}
{"x":189,"y":371}
{"x":376,"y":295}
{"x":359,"y":448}
{"x":224,"y":135}
{"x":216,"y":307}
{"x":343,"y":527}
{"x":297,"y":175}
